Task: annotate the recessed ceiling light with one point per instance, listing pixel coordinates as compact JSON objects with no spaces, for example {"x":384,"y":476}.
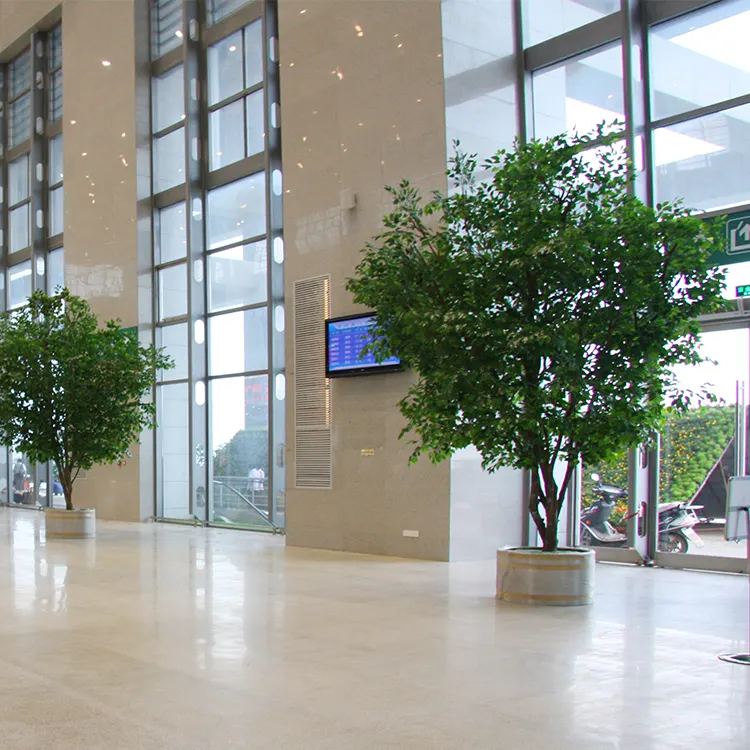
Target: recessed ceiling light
{"x":106,"y":63}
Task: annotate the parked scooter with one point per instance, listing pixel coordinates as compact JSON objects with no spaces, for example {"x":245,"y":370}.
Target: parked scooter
{"x":676,"y":522}
{"x":596,"y":530}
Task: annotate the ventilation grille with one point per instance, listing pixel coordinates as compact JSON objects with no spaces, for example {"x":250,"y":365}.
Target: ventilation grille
{"x":312,"y":399}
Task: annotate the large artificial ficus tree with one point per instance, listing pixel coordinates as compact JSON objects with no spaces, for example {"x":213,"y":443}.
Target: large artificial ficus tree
{"x":72,"y":392}
{"x":542,"y":307}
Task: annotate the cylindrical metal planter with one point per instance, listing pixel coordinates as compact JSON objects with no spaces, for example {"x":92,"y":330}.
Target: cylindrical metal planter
{"x":529,"y":576}
{"x":70,"y":524}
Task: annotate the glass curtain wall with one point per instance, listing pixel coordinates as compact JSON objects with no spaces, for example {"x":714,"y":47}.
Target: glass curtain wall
{"x":674,"y":79}
{"x":31,"y":214}
{"x":218,"y":262}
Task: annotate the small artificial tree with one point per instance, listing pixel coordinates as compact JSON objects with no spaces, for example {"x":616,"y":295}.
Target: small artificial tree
{"x":70,"y":391}
{"x":542,"y":309}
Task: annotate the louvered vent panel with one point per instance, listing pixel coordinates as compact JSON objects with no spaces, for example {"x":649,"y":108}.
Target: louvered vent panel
{"x":313,"y":451}
{"x":312,"y":402}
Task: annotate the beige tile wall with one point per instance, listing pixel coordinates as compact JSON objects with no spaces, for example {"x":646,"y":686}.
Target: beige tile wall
{"x":362,"y":106}
{"x":17,"y":17}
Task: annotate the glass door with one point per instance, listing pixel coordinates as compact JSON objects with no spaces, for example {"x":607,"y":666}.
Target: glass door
{"x":700,"y":451}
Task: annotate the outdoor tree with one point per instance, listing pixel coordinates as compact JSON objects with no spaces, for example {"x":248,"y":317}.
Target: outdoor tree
{"x":542,"y":309}
{"x":70,"y":391}
{"x":248,"y":449}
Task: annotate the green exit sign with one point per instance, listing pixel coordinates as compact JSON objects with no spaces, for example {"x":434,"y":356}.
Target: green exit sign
{"x":743,"y":291}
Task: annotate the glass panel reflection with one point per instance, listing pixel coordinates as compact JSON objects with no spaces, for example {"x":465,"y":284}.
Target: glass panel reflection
{"x":19,"y":228}
{"x":218,"y":9}
{"x":174,"y":339}
{"x":56,"y":269}
{"x":579,"y":94}
{"x":237,"y":211}
{"x":56,"y":212}
{"x":256,"y":125}
{"x":20,"y":284}
{"x":704,"y":161}
{"x":699,"y":450}
{"x":544,"y":19}
{"x":173,"y":292}
{"x":253,"y":54}
{"x":172,"y":234}
{"x":56,"y":160}
{"x":239,"y":430}
{"x":18,"y":180}
{"x":174,"y":449}
{"x":169,"y":160}
{"x":699,"y":59}
{"x":238,"y":342}
{"x":227,"y":144}
{"x":225,"y":68}
{"x":237,"y":277}
{"x":168,"y":99}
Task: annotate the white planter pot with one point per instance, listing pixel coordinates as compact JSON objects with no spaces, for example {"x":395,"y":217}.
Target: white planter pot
{"x":529,"y":576}
{"x":79,"y":523}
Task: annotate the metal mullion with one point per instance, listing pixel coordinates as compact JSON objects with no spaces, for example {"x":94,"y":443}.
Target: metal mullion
{"x":694,"y":114}
{"x":55,"y":242}
{"x":236,"y":97}
{"x":658,"y":11}
{"x":171,"y":264}
{"x":17,"y":151}
{"x":234,"y":22}
{"x":635,"y":116}
{"x":16,"y":98}
{"x":53,"y":129}
{"x":173,"y":128}
{"x":193,"y":12}
{"x":38,"y":161}
{"x":168,"y":322}
{"x":237,"y":170}
{"x":55,"y":185}
{"x":648,"y":140}
{"x":179,"y":381}
{"x":241,"y":243}
{"x":725,"y":211}
{"x":244,"y":308}
{"x":24,"y":202}
{"x":274,"y":270}
{"x":20,"y":256}
{"x":4,"y":239}
{"x":173,"y":321}
{"x":169,"y":197}
{"x":573,"y":43}
{"x":167,"y":62}
{"x":524,"y":93}
{"x":245,"y":374}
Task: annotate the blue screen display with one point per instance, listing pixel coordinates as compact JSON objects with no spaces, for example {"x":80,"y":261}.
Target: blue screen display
{"x":346,"y":341}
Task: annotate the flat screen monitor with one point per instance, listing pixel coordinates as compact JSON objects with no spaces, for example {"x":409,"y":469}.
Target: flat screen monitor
{"x":346,"y":339}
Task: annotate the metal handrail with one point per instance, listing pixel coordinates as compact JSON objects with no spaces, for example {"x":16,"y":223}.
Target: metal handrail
{"x":249,"y":503}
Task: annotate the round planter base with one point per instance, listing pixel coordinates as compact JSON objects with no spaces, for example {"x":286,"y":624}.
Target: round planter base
{"x":79,"y":523}
{"x":529,"y":576}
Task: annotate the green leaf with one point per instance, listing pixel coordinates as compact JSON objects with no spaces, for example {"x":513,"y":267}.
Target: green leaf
{"x":72,"y":392}
{"x":542,"y":307}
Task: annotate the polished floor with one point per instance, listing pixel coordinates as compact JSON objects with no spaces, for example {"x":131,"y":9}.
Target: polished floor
{"x":161,"y":637}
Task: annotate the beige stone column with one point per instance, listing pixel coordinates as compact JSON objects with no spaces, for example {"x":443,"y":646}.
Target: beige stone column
{"x":362,"y":106}
{"x":101,"y":249}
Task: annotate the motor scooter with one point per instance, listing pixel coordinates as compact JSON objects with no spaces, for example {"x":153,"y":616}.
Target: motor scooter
{"x":676,"y":522}
{"x":596,"y":530}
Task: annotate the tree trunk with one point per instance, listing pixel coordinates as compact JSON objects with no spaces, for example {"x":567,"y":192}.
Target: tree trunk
{"x":66,"y":481}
